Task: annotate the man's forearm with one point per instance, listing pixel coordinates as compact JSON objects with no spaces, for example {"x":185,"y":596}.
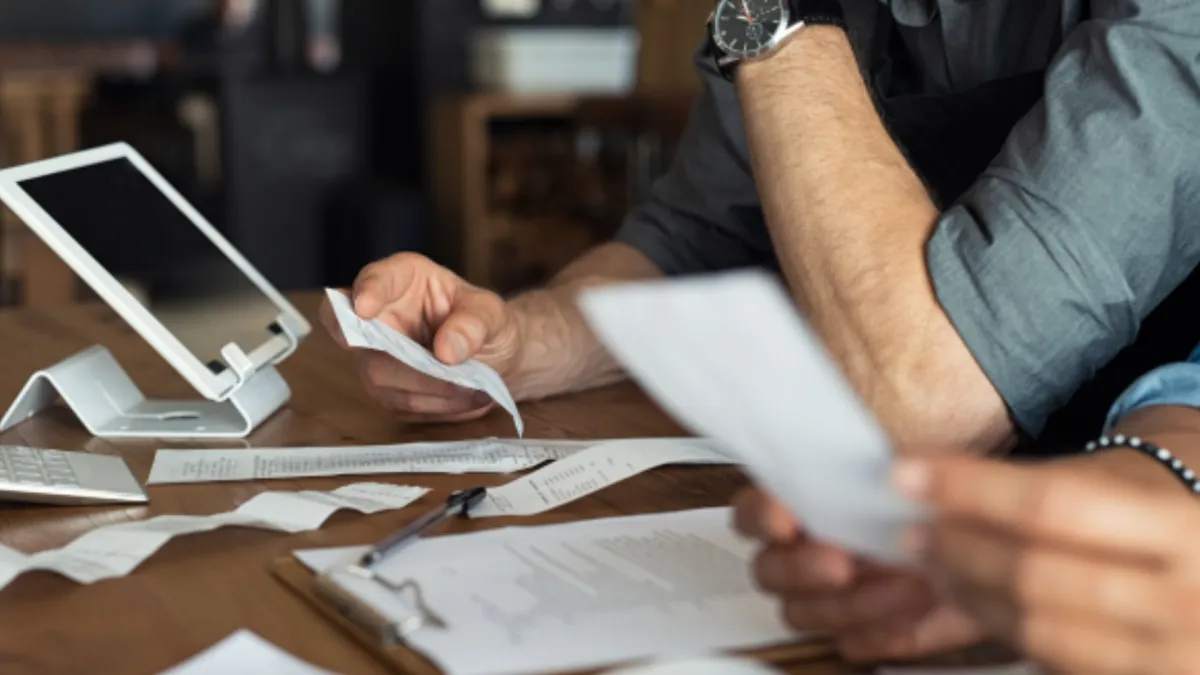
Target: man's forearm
{"x":850,"y":219}
{"x":559,"y":354}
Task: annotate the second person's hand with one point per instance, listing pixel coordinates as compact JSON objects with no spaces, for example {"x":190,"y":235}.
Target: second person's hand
{"x":1087,"y":574}
{"x":455,"y":320}
{"x":871,"y":612}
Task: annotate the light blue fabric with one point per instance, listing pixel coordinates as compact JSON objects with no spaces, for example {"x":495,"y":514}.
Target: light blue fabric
{"x":1172,"y":384}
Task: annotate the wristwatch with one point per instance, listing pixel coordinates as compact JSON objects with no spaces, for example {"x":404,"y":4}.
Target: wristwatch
{"x":742,"y":30}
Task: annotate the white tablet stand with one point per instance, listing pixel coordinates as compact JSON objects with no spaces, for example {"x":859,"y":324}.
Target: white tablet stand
{"x":110,"y":405}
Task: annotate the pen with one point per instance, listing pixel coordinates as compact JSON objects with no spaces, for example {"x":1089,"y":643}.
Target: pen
{"x":458,"y":503}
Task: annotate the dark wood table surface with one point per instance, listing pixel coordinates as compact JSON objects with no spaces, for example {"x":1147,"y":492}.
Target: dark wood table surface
{"x":200,"y":588}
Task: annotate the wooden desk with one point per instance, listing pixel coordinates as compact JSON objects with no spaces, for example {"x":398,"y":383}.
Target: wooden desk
{"x":200,"y":588}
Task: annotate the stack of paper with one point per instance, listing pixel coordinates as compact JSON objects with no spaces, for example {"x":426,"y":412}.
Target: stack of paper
{"x":581,"y":595}
{"x":729,"y":357}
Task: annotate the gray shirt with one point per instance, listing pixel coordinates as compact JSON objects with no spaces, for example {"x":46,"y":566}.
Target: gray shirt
{"x":1085,"y":220}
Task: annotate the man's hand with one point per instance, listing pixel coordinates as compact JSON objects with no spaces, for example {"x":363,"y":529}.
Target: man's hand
{"x":435,"y":307}
{"x":873,"y":613}
{"x":1087,"y":573}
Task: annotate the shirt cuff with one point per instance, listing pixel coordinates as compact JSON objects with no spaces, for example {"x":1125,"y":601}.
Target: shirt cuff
{"x":655,"y":243}
{"x":1172,"y":384}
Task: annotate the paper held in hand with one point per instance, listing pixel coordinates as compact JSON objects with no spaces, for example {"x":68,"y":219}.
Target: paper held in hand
{"x":728,"y":356}
{"x":375,"y":334}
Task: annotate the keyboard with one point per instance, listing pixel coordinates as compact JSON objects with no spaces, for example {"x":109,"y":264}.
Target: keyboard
{"x":37,"y":476}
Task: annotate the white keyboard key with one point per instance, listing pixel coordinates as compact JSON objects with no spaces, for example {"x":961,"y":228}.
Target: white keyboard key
{"x":34,"y":475}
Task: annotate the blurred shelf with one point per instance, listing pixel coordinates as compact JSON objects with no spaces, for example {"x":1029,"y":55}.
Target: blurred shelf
{"x":461,"y":151}
{"x":524,"y":184}
{"x":39,"y":118}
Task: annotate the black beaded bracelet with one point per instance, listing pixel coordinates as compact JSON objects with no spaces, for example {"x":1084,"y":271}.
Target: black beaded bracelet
{"x":1164,"y":456}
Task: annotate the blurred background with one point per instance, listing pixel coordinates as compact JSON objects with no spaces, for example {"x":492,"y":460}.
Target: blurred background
{"x":499,"y":137}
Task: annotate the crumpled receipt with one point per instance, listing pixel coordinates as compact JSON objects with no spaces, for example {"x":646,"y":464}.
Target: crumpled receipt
{"x":374,"y":334}
{"x":115,"y":550}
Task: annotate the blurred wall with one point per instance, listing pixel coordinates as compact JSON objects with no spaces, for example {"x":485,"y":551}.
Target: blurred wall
{"x":65,"y":20}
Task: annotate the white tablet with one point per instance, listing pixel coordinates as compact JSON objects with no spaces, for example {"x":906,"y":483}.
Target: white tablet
{"x":107,"y":213}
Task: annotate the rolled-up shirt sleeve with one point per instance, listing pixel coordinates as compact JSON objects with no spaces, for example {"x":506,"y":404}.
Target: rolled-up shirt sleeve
{"x":704,"y":214}
{"x":1089,"y":216}
{"x":1172,"y":384}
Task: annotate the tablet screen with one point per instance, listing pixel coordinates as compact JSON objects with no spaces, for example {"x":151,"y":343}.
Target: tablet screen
{"x":136,"y":233}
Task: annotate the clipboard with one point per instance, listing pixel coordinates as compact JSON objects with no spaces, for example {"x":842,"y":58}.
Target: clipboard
{"x":383,"y":641}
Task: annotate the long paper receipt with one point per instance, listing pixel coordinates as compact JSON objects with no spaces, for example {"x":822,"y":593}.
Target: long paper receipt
{"x":241,"y":464}
{"x":375,"y":334}
{"x":592,"y":470}
{"x":729,"y":357}
{"x":576,"y":596}
{"x":115,"y":550}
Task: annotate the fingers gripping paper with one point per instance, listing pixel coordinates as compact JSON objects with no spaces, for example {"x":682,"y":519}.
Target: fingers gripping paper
{"x":375,"y":334}
{"x":729,"y":356}
{"x":115,"y":550}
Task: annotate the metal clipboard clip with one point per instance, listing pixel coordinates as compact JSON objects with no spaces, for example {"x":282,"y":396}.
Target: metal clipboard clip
{"x":363,"y":568}
{"x":350,"y":606}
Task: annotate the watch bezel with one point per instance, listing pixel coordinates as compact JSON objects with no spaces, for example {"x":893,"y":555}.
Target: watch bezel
{"x":732,"y":55}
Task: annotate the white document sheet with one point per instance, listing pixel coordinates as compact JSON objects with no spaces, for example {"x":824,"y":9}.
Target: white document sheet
{"x":115,"y":550}
{"x":1011,"y":669}
{"x":729,"y":357}
{"x":375,"y":334}
{"x":591,"y":470}
{"x":580,"y":595}
{"x":245,"y":653}
{"x":243,"y":464}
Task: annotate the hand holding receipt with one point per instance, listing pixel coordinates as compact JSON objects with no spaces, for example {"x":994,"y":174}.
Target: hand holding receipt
{"x":379,"y":336}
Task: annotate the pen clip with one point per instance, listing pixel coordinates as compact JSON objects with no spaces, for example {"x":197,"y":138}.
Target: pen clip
{"x":467,"y":499}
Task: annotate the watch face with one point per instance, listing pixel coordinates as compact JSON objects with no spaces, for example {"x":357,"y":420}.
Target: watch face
{"x":746,"y":27}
